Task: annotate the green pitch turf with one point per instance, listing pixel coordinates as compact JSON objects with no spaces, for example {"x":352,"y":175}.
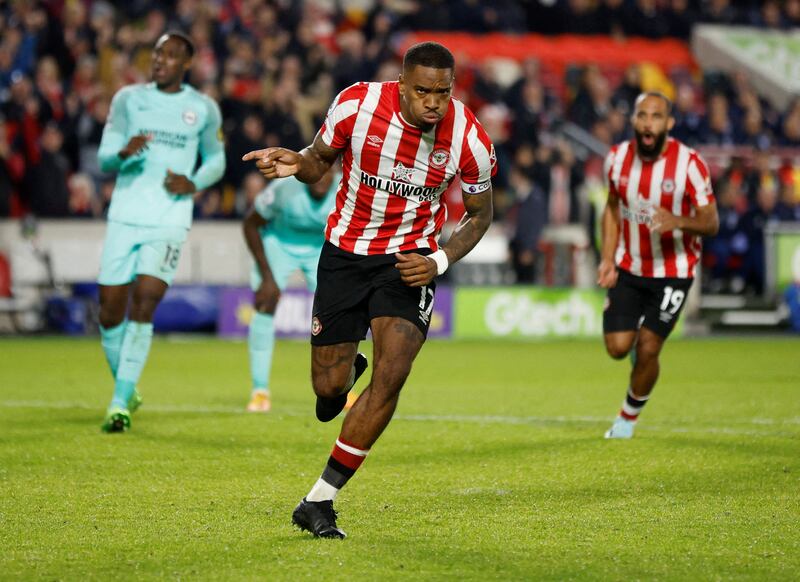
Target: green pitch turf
{"x":494,"y":467}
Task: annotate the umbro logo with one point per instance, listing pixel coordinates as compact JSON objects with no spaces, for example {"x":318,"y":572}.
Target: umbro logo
{"x":374,"y":140}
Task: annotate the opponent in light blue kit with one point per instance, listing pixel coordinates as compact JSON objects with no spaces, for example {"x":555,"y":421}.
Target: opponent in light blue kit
{"x":151,"y":139}
{"x":284,"y":231}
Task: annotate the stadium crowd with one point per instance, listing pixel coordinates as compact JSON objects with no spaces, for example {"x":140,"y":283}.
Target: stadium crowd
{"x":274,"y":67}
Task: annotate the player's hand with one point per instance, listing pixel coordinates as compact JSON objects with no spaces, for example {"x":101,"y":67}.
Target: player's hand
{"x":267,"y":296}
{"x":663,"y":221}
{"x":135,"y":145}
{"x":178,"y":184}
{"x":607,"y":274}
{"x":415,"y":270}
{"x":275,"y":162}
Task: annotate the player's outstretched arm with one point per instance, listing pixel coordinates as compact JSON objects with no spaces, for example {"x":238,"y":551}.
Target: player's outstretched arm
{"x":607,"y":270}
{"x":308,"y":165}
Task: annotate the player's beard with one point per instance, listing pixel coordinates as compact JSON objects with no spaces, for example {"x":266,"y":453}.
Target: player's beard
{"x":653,"y":151}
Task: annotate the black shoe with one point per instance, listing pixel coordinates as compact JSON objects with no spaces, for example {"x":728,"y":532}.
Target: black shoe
{"x":318,"y":517}
{"x":329,"y":408}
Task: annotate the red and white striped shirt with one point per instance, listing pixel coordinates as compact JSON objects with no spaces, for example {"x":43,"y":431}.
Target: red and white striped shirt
{"x":393,"y":174}
{"x":677,"y":181}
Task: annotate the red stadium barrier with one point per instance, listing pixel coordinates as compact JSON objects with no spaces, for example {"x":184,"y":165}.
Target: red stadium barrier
{"x":561,"y":51}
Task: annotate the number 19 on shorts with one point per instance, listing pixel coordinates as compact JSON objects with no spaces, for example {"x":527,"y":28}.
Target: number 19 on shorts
{"x":673,"y":299}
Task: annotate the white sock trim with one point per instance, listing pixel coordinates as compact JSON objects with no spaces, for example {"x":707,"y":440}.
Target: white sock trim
{"x":351,"y":450}
{"x":322,"y":491}
{"x":639,"y":398}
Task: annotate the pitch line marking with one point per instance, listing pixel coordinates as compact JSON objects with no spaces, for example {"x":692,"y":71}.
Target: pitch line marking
{"x":463,"y":418}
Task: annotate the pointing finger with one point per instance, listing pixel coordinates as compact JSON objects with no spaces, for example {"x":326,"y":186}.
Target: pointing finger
{"x":255,"y":154}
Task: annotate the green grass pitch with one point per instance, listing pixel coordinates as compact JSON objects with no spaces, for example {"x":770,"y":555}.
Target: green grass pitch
{"x":493,"y":468}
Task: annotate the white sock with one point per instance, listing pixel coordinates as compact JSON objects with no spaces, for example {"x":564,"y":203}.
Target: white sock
{"x":322,"y":491}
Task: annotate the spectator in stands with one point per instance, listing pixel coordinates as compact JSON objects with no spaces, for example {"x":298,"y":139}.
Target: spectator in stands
{"x":485,"y":88}
{"x":625,"y":95}
{"x":790,"y":125}
{"x":496,"y":120}
{"x":83,"y":201}
{"x":790,"y":199}
{"x":6,"y":181}
{"x":792,"y":12}
{"x":645,"y":19}
{"x":613,"y":15}
{"x":352,"y":65}
{"x":724,"y":253}
{"x":89,"y":132}
{"x":46,"y":175}
{"x":752,"y":131}
{"x":720,"y":12}
{"x":717,"y":128}
{"x":688,"y":121}
{"x":530,"y":114}
{"x":580,"y":17}
{"x":768,"y":210}
{"x":242,"y":139}
{"x":592,"y":100}
{"x":681,"y":18}
{"x":527,"y":217}
{"x":560,"y":178}
{"x":761,"y":175}
{"x":768,"y":16}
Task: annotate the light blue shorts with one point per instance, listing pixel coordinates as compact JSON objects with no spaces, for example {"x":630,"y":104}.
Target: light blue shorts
{"x":131,"y":250}
{"x":286,"y":258}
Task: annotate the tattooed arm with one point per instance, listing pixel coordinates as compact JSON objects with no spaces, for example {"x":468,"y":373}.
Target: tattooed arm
{"x":417,"y":270}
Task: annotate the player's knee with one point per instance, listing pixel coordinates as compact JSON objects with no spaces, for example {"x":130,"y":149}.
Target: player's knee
{"x":329,"y":383}
{"x":617,"y":350}
{"x":390,"y":376}
{"x":109,"y":318}
{"x":111,"y":315}
{"x":144,"y":306}
{"x":648,"y":350}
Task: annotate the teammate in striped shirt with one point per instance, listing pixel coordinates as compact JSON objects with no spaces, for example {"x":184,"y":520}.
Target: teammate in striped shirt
{"x":660,"y":203}
{"x":402,"y":143}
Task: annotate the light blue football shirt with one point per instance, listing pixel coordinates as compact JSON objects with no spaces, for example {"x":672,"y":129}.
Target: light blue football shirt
{"x":294,"y":216}
{"x":182,"y":125}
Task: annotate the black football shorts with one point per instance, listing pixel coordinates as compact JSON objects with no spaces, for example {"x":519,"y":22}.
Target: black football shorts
{"x":654,"y":303}
{"x":354,"y":289}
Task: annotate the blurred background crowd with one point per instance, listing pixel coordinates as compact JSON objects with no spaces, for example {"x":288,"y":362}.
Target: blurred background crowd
{"x":274,"y":67}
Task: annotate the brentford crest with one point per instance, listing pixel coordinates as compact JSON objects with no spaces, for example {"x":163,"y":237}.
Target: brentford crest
{"x":439,"y":158}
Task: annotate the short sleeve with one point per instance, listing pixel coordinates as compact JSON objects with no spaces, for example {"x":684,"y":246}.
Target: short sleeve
{"x":478,"y":160}
{"x":337,"y":128}
{"x":608,"y":166}
{"x":698,"y":182}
